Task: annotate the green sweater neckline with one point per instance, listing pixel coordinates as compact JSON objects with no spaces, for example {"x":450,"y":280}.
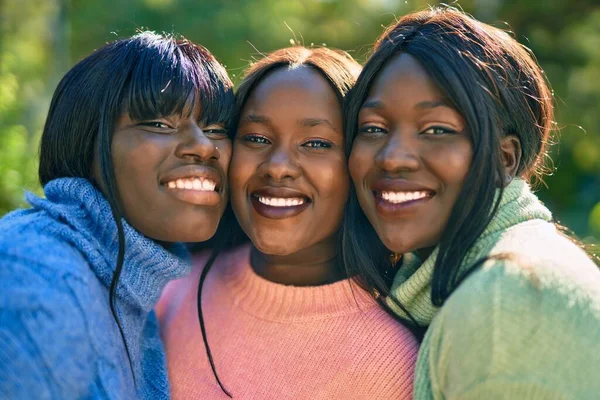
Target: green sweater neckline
{"x":412,"y":283}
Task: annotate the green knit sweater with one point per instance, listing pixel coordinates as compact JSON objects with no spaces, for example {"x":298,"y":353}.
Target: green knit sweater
{"x":526,"y":327}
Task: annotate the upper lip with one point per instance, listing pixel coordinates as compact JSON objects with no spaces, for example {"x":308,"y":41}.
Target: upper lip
{"x":399,"y":185}
{"x":280,"y":192}
{"x":193,"y":171}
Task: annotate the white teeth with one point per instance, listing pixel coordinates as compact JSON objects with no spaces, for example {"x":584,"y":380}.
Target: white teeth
{"x":280,"y":202}
{"x":208,"y":185}
{"x":199,"y":184}
{"x":402,"y":197}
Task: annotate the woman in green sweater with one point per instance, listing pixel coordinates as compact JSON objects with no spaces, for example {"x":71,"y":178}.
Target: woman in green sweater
{"x":446,"y":125}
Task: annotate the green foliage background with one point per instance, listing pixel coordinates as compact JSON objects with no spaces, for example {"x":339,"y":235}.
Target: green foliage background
{"x":40,"y":40}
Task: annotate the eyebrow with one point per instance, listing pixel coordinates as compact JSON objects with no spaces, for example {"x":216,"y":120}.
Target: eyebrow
{"x":255,"y":118}
{"x":307,"y":122}
{"x":433,"y":104}
{"x":373,"y":104}
{"x":376,"y":104}
{"x":310,"y":122}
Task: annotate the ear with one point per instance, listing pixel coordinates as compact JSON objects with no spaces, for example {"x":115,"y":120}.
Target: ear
{"x":510,"y":148}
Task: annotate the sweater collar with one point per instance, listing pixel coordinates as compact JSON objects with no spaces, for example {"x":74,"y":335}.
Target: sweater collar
{"x":147,"y":266}
{"x":412,"y":284}
{"x":285,"y":303}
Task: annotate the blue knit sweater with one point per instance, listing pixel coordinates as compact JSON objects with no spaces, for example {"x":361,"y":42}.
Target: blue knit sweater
{"x":58,"y":338}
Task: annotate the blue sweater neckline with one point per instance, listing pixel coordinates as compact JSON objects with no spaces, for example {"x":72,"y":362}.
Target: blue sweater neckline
{"x":147,"y":267}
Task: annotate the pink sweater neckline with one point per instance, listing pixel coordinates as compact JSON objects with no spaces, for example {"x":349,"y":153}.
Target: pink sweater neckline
{"x":272,"y":301}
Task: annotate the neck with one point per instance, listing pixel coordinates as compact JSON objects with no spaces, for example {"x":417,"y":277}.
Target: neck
{"x":312,"y":266}
{"x":425,"y":252}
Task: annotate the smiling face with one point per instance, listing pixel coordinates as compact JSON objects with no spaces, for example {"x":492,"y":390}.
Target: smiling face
{"x":288,"y":177}
{"x":171,"y":175}
{"x":410,"y":157}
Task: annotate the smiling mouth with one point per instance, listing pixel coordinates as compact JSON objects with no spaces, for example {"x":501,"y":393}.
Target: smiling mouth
{"x":196,"y":190}
{"x":281,"y":201}
{"x":399,"y":203}
{"x":272,"y":207}
{"x":401,"y":197}
{"x":193,"y":183}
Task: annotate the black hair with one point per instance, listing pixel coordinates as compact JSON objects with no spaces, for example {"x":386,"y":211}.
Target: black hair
{"x":147,"y":76}
{"x":496,"y":85}
{"x":339,"y":69}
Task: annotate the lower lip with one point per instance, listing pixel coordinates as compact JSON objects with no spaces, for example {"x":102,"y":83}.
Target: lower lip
{"x":277,"y":212}
{"x":196,"y":197}
{"x":388,"y":209}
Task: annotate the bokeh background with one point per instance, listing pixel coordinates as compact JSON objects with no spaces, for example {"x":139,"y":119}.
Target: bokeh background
{"x":41,"y":39}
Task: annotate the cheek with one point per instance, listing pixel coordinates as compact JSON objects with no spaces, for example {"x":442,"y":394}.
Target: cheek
{"x":359,"y":164}
{"x":333,"y":179}
{"x":135,"y":161}
{"x":241,"y":170}
{"x":225,"y":155}
{"x":457,"y":164}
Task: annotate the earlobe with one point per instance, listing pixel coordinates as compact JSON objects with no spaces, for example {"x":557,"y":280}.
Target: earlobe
{"x":510,"y":147}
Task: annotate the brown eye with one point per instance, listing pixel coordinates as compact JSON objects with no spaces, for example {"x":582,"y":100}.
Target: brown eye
{"x":318,"y":144}
{"x":438,"y":130}
{"x":371,"y":130}
{"x":216,"y":133}
{"x":256,"y":139}
{"x":155,"y":124}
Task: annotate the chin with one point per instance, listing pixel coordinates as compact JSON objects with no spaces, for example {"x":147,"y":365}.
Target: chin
{"x":190,"y":235}
{"x":396,"y":243}
{"x":272,"y":248}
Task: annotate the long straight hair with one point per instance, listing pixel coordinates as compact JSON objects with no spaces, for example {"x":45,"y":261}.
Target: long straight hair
{"x":498,"y":88}
{"x":146,"y":76}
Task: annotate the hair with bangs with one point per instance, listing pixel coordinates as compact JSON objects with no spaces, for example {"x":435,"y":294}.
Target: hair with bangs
{"x":497,"y":86}
{"x":339,"y":69}
{"x":147,"y":76}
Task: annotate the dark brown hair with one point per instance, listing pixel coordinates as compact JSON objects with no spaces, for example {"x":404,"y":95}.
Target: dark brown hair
{"x":498,"y":87}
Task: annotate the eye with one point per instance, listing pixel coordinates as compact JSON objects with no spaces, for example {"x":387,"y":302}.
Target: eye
{"x":318,"y":144}
{"x":371,"y":130}
{"x":155,"y":125}
{"x":215,"y":132}
{"x":256,"y":139}
{"x":437,"y":131}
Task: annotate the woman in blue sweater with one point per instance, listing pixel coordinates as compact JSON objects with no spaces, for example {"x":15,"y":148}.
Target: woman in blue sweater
{"x":133,"y":159}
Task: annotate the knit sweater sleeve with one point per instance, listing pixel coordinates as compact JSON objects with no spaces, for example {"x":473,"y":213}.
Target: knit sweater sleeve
{"x":512,"y":332}
{"x":45,"y":351}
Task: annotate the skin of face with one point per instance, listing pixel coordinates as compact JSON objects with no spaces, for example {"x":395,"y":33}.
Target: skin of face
{"x":410,"y":157}
{"x":150,"y":157}
{"x":290,"y":145}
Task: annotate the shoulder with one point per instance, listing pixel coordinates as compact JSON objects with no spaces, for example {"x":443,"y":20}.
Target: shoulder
{"x":33,"y":237}
{"x":44,"y":339}
{"x":533,"y":264}
{"x":530,"y":322}
{"x":534,"y":277}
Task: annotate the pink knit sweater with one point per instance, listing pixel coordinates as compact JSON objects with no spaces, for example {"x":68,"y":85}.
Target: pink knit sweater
{"x":271,"y":341}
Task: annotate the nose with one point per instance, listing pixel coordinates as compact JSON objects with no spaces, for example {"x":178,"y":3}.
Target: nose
{"x":399,"y":154}
{"x":196,"y":145}
{"x":281,"y":165}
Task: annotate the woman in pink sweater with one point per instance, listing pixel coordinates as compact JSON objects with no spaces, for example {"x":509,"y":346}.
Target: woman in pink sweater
{"x":284,"y":318}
